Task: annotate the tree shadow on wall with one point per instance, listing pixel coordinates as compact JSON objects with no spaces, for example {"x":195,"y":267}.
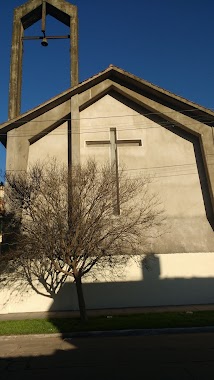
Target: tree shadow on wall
{"x":114,"y":356}
{"x":150,"y":291}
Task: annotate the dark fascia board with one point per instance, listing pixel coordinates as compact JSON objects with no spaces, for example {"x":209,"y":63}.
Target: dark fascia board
{"x":58,"y":15}
{"x":3,"y":139}
{"x":167,"y":98}
{"x":31,"y":12}
{"x":127,"y":79}
{"x":32,"y":17}
{"x":51,"y":103}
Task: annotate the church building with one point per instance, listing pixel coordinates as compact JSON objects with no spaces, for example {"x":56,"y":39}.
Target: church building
{"x":154,"y":133}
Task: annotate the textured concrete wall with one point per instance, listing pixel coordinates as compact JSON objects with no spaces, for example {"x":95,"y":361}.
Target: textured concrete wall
{"x":173,"y":157}
{"x":57,"y":143}
{"x":20,"y":140}
{"x":176,"y":279}
{"x":170,"y":157}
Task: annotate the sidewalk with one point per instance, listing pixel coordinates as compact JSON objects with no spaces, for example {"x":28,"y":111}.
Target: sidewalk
{"x":119,"y":311}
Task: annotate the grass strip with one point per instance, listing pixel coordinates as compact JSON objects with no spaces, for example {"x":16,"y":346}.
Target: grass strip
{"x":106,"y":323}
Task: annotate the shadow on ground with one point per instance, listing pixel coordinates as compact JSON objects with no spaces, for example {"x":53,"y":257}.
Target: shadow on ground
{"x":168,"y":357}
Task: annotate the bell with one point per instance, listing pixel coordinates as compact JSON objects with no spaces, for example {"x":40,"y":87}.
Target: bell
{"x":44,"y":42}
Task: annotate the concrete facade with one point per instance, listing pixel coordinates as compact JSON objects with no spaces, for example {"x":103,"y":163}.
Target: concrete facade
{"x":170,"y":158}
{"x":177,"y":279}
{"x":158,"y":134}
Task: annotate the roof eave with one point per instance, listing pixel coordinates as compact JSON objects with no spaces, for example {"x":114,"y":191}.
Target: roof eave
{"x":111,"y":71}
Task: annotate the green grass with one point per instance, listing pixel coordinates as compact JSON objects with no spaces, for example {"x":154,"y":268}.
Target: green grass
{"x":120,"y":322}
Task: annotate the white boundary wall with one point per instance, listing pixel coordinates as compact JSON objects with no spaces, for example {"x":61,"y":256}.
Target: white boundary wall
{"x":173,"y":279}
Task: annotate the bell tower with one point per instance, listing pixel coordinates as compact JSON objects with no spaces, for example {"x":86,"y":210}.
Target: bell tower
{"x":27,"y":15}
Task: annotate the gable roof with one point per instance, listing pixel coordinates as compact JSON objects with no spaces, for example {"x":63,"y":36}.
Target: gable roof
{"x":128,"y":80}
{"x":151,"y":99}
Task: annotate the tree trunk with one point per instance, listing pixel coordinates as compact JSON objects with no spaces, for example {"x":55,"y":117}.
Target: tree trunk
{"x":81,"y":300}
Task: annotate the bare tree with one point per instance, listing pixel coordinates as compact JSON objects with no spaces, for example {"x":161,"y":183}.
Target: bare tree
{"x":68,"y":225}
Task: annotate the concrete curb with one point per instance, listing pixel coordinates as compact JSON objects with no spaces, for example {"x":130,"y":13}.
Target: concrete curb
{"x":115,"y":333}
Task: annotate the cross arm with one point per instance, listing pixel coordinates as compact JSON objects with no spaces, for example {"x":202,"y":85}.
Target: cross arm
{"x":103,"y":142}
{"x":129,"y":142}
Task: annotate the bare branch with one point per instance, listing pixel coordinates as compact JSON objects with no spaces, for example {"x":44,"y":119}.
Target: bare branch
{"x":62,"y":224}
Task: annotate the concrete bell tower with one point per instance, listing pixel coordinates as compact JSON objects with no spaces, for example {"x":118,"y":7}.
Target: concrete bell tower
{"x":25,"y":16}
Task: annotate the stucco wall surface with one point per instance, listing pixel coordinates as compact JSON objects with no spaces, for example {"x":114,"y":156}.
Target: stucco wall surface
{"x":182,"y":260}
{"x":172,"y":160}
{"x":54,"y":144}
{"x":175,"y":279}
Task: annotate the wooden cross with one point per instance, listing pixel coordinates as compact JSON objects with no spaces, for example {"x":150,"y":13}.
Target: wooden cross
{"x":113,"y":143}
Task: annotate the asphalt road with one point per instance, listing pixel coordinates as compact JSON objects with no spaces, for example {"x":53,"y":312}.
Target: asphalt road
{"x":167,"y":357}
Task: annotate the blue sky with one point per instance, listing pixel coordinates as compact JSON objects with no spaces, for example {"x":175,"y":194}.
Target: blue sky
{"x":169,"y":43}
